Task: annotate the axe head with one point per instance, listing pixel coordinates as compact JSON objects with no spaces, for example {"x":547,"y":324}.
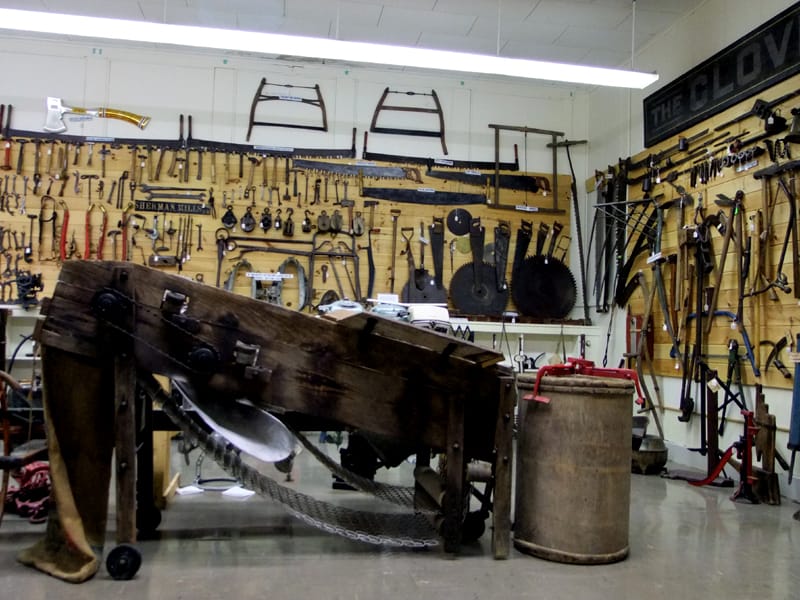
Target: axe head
{"x":54,"y":122}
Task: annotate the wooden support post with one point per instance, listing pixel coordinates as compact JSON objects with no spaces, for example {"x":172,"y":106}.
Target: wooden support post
{"x":503,"y":462}
{"x":453,"y":506}
{"x":125,"y":424}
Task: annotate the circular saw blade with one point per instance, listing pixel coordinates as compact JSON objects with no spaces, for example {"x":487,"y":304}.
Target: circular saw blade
{"x":458,"y":221}
{"x":484,"y":299}
{"x":427,"y":294}
{"x":543,"y":287}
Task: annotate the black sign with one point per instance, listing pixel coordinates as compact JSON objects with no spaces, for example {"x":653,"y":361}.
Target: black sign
{"x":755,"y":62}
{"x":172,"y":207}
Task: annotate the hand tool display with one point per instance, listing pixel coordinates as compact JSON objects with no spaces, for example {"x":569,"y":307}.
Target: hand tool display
{"x":143,"y":192}
{"x":724,"y":283}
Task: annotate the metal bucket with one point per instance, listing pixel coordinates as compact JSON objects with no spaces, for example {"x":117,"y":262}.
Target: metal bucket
{"x":573,"y":463}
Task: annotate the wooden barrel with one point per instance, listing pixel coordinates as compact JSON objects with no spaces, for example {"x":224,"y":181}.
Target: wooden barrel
{"x":572,"y":497}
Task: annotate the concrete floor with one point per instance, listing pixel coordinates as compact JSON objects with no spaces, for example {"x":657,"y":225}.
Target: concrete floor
{"x":685,"y":543}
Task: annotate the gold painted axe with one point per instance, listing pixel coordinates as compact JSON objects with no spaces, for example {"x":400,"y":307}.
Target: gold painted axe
{"x":56,"y":110}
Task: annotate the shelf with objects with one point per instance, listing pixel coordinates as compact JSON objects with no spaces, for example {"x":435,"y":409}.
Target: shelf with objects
{"x":528,"y":346}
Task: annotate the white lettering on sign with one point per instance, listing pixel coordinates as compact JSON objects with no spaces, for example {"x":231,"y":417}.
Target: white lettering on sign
{"x":767,"y":55}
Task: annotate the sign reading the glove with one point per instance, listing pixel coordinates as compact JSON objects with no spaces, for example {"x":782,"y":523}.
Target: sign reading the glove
{"x":755,"y":62}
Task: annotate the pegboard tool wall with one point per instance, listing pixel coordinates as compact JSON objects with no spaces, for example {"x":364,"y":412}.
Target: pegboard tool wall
{"x":75,"y":190}
{"x":767,"y":317}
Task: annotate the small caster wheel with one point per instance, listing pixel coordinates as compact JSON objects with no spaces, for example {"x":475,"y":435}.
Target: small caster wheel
{"x":473,"y":526}
{"x":123,"y":562}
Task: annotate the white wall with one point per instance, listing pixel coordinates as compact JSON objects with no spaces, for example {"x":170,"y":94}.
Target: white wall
{"x":615,"y":125}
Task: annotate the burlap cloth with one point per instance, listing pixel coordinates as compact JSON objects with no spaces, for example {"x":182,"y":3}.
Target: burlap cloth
{"x":79,"y":416}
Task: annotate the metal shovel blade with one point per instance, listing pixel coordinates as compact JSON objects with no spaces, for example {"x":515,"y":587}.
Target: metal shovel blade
{"x":252,"y":430}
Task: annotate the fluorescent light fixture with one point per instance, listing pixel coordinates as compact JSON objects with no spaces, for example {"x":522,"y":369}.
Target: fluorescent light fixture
{"x":319,"y":48}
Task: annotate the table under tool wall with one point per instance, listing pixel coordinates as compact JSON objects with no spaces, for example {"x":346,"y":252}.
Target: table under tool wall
{"x":419,"y":388}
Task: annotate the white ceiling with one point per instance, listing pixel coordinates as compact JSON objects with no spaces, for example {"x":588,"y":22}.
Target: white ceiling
{"x":593,"y":32}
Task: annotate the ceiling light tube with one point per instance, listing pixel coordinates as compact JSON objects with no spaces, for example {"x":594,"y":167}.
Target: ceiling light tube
{"x":319,"y":48}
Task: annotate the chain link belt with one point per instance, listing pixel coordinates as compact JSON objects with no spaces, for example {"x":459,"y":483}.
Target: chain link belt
{"x":407,"y":529}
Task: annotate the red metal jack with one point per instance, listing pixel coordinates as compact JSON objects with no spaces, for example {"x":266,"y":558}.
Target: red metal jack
{"x":581,"y":366}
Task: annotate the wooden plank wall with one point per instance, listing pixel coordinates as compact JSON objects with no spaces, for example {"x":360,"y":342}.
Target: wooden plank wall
{"x":228,"y":190}
{"x":764,"y":318}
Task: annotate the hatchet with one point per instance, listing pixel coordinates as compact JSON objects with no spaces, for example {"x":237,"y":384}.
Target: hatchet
{"x":56,"y":110}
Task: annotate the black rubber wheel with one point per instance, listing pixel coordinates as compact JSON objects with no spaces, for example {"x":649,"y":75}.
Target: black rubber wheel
{"x":473,"y":527}
{"x":123,"y":562}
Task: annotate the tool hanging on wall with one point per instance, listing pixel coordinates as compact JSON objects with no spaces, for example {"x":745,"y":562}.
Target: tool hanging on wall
{"x":640,"y":351}
{"x":422,"y":196}
{"x":603,"y":233}
{"x":318,"y":101}
{"x":422,"y":286}
{"x":526,"y":183}
{"x":444,"y":162}
{"x":395,"y":214}
{"x":458,"y":221}
{"x":364,"y":169}
{"x":542,"y":285}
{"x":56,"y":110}
{"x":474,"y":288}
{"x":761,"y":108}
{"x":437,"y":110}
{"x":656,"y":260}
